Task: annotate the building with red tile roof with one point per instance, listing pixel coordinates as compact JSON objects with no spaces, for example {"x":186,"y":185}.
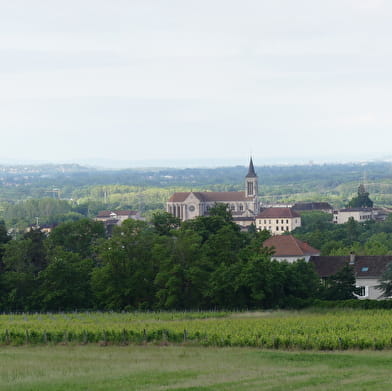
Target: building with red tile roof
{"x":278,"y":220}
{"x":290,"y":249}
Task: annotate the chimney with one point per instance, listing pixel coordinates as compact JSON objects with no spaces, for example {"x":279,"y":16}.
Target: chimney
{"x":352,"y":258}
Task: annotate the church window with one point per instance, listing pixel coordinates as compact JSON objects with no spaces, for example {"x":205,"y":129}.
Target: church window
{"x":250,"y":188}
{"x":232,"y":207}
{"x":241,"y":207}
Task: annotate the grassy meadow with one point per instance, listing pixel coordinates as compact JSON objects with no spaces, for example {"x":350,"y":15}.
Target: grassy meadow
{"x":272,"y":350}
{"x":150,"y":368}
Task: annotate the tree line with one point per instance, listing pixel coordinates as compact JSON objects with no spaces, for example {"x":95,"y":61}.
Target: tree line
{"x":368,"y":238}
{"x":205,"y":263}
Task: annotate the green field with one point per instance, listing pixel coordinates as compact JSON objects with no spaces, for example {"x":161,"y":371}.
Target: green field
{"x":306,"y":330}
{"x":147,"y":368}
{"x":277,"y":350}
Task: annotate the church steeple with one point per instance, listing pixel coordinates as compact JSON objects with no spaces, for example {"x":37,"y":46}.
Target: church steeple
{"x":251,"y":183}
{"x":251,"y":170}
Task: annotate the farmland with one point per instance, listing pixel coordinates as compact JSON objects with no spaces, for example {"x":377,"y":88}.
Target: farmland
{"x":158,"y":368}
{"x":307,"y":330}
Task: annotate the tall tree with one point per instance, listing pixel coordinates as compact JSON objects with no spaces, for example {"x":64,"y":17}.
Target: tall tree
{"x":386,"y":281}
{"x":65,"y":283}
{"x":77,"y":236}
{"x":362,"y":199}
{"x":125,"y":273}
{"x":341,"y":286}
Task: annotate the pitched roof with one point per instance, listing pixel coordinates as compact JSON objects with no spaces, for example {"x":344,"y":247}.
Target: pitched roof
{"x":288,"y":245}
{"x":179,"y":196}
{"x":251,"y":171}
{"x":312,"y":206}
{"x":356,"y":210}
{"x":277,"y":213}
{"x":370,"y":266}
{"x":211,"y":196}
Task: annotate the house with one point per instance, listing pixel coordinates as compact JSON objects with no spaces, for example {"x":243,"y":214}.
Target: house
{"x":116,"y":217}
{"x":313,"y":206}
{"x":361,"y":215}
{"x":278,"y":220}
{"x":367,"y":270}
{"x":290,"y":249}
{"x":244,"y":205}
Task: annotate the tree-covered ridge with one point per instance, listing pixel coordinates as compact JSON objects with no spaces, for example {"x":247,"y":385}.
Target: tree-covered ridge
{"x":335,"y":183}
{"x":78,"y":192}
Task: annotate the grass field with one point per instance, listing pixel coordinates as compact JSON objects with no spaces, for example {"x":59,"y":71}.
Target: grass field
{"x":148,"y":368}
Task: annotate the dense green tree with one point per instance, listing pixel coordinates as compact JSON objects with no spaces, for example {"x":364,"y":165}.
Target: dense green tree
{"x":123,"y":279}
{"x":302,"y":281}
{"x":164,"y":222}
{"x":77,"y":236}
{"x":65,"y":283}
{"x":341,"y":286}
{"x":22,"y":261}
{"x":183,"y":275}
{"x":386,"y":281}
{"x":362,"y":200}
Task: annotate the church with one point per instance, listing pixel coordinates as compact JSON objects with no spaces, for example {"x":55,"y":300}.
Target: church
{"x":244,"y":205}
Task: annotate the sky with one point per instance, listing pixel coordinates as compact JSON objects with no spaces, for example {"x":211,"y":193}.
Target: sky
{"x":195,"y":82}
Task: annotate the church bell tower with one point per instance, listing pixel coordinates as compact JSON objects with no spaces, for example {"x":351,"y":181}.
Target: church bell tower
{"x":251,"y":182}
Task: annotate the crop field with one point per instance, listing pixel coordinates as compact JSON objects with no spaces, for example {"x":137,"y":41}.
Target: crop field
{"x":326,"y":331}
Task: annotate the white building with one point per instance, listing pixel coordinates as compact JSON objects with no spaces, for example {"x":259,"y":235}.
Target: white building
{"x":361,"y":215}
{"x":278,"y":220}
{"x":367,"y":269}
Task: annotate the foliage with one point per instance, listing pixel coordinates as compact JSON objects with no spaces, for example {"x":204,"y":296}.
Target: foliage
{"x":306,"y":330}
{"x":341,"y":286}
{"x":386,"y":281}
{"x":203,"y":263}
{"x":368,"y":238}
{"x":362,"y":200}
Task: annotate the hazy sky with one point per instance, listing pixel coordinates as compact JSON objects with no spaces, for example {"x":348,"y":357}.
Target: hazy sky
{"x":208,"y":80}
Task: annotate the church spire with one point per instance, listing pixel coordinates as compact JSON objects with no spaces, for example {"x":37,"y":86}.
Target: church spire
{"x":251,"y":184}
{"x":251,"y":171}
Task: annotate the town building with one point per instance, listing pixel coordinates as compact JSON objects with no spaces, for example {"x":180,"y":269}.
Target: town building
{"x":116,"y":217}
{"x":367,"y":269}
{"x":361,"y":215}
{"x":313,"y":206}
{"x":278,"y":220}
{"x":244,"y":205}
{"x":290,"y":249}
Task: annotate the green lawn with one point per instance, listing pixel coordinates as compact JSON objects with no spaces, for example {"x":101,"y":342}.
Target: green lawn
{"x":180,"y":368}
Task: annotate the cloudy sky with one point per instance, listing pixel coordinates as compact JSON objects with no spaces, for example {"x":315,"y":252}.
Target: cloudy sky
{"x":212,"y":81}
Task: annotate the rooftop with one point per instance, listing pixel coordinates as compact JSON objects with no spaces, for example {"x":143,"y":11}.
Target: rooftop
{"x":288,"y":245}
{"x":277,"y":213}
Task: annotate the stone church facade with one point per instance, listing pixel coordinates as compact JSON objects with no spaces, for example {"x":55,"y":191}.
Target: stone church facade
{"x":244,"y":205}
